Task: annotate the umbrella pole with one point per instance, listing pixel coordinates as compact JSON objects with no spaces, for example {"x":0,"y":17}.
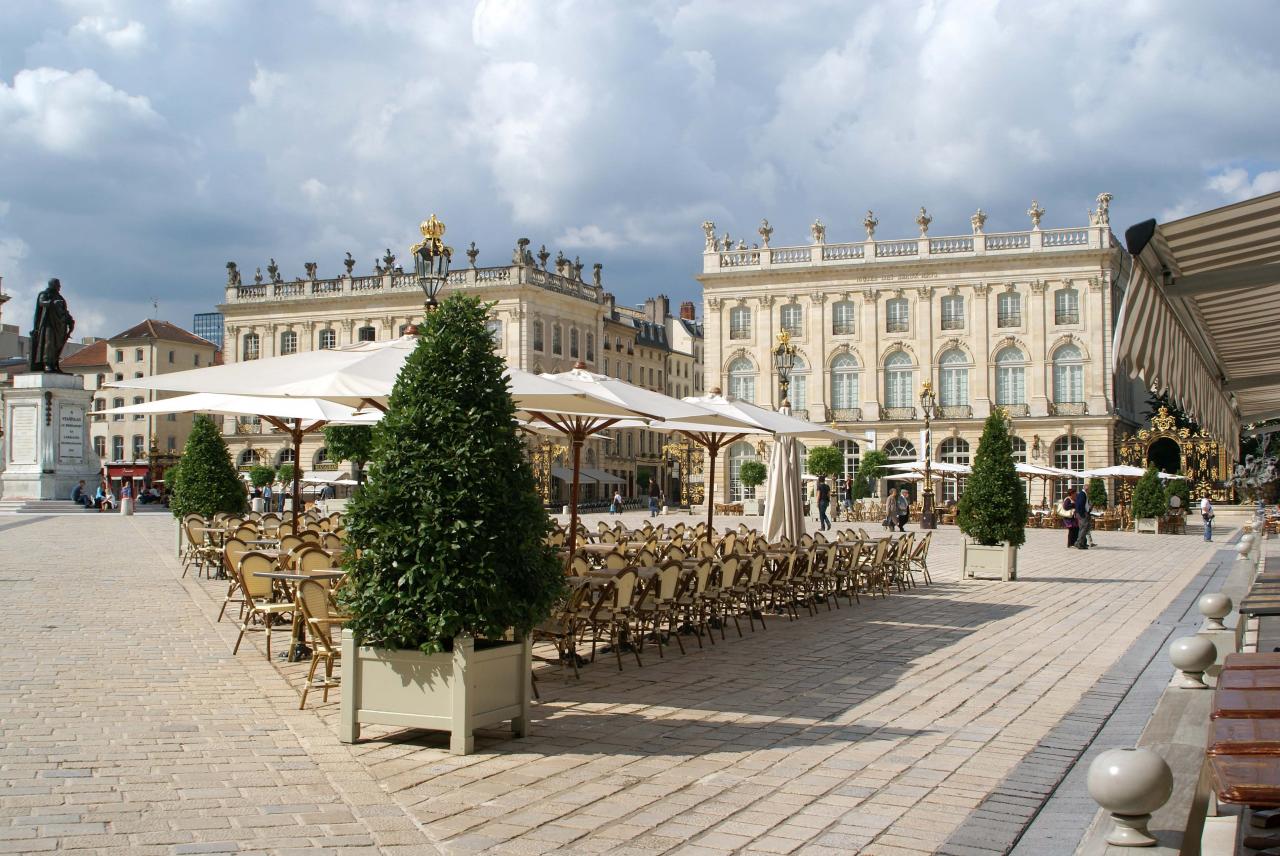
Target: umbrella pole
{"x":297,"y":473}
{"x":712,"y":448}
{"x":575,"y":440}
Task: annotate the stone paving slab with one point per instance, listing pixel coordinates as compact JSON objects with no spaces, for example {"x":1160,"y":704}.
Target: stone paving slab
{"x":876,"y":728}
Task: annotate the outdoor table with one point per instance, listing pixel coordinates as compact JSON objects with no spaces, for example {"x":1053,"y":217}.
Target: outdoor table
{"x":1245,"y":704}
{"x":1259,"y":660}
{"x":297,"y":629}
{"x":1249,"y":679}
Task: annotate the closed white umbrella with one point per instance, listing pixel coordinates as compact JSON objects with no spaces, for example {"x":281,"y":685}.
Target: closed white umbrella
{"x":784,"y":501}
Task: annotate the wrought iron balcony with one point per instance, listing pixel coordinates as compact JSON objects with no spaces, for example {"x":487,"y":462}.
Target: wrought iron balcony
{"x":1068,"y":408}
{"x":1066,"y":318}
{"x":955,"y":411}
{"x":737,"y":332}
{"x":898,"y":413}
{"x":894,"y":325}
{"x":846,"y":414}
{"x":953,"y":322}
{"x":1009,"y":319}
{"x":1015,"y":410}
{"x":842,"y":328}
{"x":802,"y":413}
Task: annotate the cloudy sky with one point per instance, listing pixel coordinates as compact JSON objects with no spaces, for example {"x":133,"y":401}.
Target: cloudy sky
{"x":144,"y":144}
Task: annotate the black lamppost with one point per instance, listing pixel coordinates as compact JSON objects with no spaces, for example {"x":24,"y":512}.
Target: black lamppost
{"x":928,"y":403}
{"x":431,"y":260}
{"x":784,"y":358}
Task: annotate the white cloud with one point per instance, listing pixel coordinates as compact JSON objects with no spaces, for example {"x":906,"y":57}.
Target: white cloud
{"x":70,"y":113}
{"x":126,"y":38}
{"x":589,"y":237}
{"x":264,"y":85}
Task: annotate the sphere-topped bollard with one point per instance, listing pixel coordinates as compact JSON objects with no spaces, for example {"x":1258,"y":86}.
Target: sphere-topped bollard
{"x":1245,"y":545}
{"x":1192,"y":655}
{"x":1131,"y":784}
{"x":1214,"y":606}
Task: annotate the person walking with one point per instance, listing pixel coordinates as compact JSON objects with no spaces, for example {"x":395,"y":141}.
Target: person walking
{"x":615,"y":507}
{"x":1067,"y":511}
{"x":655,"y":493}
{"x":848,"y":493}
{"x":1206,"y":514}
{"x":824,"y":502}
{"x":1084,"y":519}
{"x":903,"y":507}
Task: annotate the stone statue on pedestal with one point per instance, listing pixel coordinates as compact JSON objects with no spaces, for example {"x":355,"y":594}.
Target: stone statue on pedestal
{"x":52,"y":328}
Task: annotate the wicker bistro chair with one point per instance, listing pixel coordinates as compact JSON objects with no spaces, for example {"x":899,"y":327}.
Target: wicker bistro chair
{"x":615,"y":561}
{"x":232,"y":551}
{"x":842,"y":560}
{"x":258,"y":593}
{"x":564,"y":625}
{"x":613,"y":612}
{"x":320,"y":614}
{"x":310,"y":558}
{"x":919,"y":560}
{"x":781,"y":585}
{"x":717,"y":597}
{"x":899,"y":570}
{"x":579,"y":567}
{"x":695,"y":599}
{"x":333,"y":541}
{"x":660,"y":605}
{"x":869,"y":570}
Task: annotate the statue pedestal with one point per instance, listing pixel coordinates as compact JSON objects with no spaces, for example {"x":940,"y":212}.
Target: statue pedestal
{"x":46,"y":437}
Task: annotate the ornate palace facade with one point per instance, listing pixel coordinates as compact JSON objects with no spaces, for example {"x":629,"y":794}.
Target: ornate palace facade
{"x":1022,"y":320}
{"x":545,"y":317}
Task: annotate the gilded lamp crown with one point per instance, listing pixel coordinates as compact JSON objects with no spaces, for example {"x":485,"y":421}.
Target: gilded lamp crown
{"x":432,"y":228}
{"x":432,"y":231}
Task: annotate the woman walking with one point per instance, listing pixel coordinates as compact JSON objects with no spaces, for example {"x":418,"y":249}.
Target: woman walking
{"x":1067,"y":511}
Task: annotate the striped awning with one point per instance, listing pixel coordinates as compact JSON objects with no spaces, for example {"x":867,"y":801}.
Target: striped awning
{"x":1201,"y":316}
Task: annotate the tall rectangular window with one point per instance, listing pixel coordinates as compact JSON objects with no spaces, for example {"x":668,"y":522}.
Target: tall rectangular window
{"x":328,"y":339}
{"x":842,"y":318}
{"x":896,"y":315}
{"x":791,"y":318}
{"x":537,"y":335}
{"x":1009,"y":309}
{"x":1066,"y":306}
{"x":740,"y":322}
{"x":117,"y":448}
{"x":953,"y":312}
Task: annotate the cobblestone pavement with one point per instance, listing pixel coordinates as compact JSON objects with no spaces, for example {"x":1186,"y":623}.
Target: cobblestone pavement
{"x":875,"y":728}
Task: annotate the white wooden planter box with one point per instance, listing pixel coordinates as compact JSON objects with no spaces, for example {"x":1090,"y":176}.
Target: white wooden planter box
{"x":752,"y":507}
{"x":1146,"y":524}
{"x":456,"y":692}
{"x":989,"y":563}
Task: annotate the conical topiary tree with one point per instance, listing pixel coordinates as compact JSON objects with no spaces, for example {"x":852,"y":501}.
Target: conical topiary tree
{"x":447,"y":536}
{"x":206,"y":481}
{"x":993,"y":508}
{"x":1148,"y":496}
{"x":1097,"y":493}
{"x":868,"y":473}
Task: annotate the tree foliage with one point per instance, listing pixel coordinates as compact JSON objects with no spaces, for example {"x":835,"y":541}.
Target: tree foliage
{"x":752,"y":473}
{"x":205,"y":481}
{"x":352,"y":443}
{"x":868,"y":473}
{"x":261,"y":475}
{"x":1148,"y":496}
{"x":1180,"y":489}
{"x":993,"y":508}
{"x":826,"y":461}
{"x":1097,"y":493}
{"x":285,"y":474}
{"x":448,"y":535}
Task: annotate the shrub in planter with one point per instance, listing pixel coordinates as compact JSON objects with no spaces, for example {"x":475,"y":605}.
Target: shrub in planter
{"x":1148,"y":496}
{"x":205,"y":481}
{"x":752,"y":474}
{"x":992,"y":511}
{"x":285,"y":475}
{"x":1180,"y":489}
{"x":868,"y":473}
{"x":352,"y":443}
{"x":826,"y":461}
{"x":1097,"y":493}
{"x":447,"y":536}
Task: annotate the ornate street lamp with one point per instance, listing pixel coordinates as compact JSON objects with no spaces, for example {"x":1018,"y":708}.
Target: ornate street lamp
{"x":686,"y":459}
{"x":928,"y":405}
{"x":431,"y":260}
{"x":784,"y":358}
{"x":544,"y":454}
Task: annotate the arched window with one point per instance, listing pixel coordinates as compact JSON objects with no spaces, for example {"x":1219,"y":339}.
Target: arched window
{"x":953,"y":374}
{"x":798,"y":390}
{"x":288,"y":342}
{"x":844,"y":383}
{"x":791,"y":319}
{"x":138,"y":399}
{"x":1019,"y":449}
{"x":557,"y":341}
{"x":953,"y":450}
{"x":900,"y":450}
{"x":366,"y":334}
{"x":573,"y":342}
{"x":117,"y":402}
{"x":1068,"y":454}
{"x":249,"y":347}
{"x":897,"y":315}
{"x":852,"y":456}
{"x":591,"y":347}
{"x":1011,"y":376}
{"x":1009,"y":309}
{"x":285,"y":456}
{"x":1068,"y":375}
{"x":739,"y":323}
{"x":328,"y":339}
{"x":898,"y":380}
{"x":739,"y":453}
{"x":321,"y":457}
{"x":537,"y":335}
{"x":843,"y":315}
{"x":1066,"y":306}
{"x":247,"y":458}
{"x":742,"y":380}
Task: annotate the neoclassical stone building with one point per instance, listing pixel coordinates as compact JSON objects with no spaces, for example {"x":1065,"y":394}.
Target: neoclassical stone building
{"x":545,"y":317}
{"x":1022,"y":320}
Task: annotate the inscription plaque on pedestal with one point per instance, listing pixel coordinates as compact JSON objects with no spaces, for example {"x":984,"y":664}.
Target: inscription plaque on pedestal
{"x":70,"y":434}
{"x":22,"y":436}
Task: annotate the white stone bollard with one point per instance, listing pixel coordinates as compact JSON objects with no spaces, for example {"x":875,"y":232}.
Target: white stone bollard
{"x":126,"y":507}
{"x":1214,"y":606}
{"x":1245,"y":545}
{"x":1192,"y":655}
{"x":1131,"y":784}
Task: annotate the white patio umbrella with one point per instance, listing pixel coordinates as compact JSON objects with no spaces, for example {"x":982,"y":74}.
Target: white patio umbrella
{"x":942,"y":467}
{"x":1117,"y":471}
{"x":294,"y":416}
{"x":614,"y":394}
{"x":784,"y":497}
